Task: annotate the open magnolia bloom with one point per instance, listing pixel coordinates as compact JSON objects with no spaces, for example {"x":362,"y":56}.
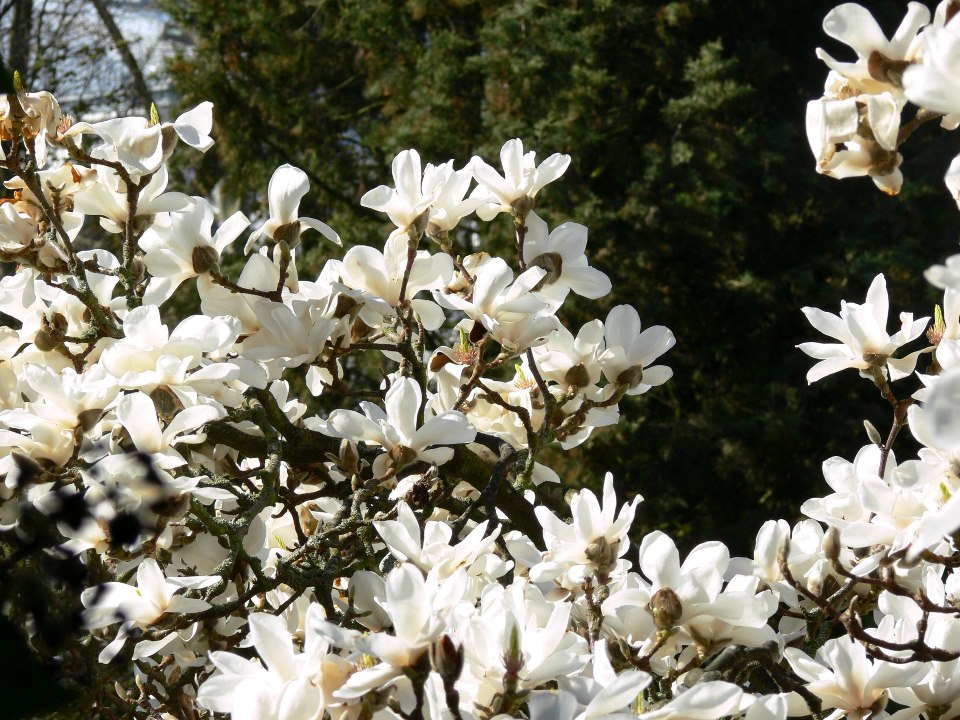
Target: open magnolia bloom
{"x":880,"y":62}
{"x":287,"y":187}
{"x":522,"y":179}
{"x":864,"y":342}
{"x":395,"y":428}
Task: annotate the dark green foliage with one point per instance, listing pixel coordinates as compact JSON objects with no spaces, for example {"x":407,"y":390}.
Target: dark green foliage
{"x":690,"y":166}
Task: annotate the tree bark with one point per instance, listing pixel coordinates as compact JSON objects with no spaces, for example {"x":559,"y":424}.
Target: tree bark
{"x":21,"y":30}
{"x":123,"y":47}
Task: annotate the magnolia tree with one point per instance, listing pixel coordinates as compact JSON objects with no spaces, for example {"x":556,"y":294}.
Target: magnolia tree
{"x":237,"y":552}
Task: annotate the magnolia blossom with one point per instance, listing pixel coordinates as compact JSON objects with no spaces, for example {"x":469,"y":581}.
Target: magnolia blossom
{"x":522,"y":179}
{"x":39,"y":114}
{"x":935,"y":83}
{"x":287,"y":187}
{"x":844,"y":678}
{"x":184,"y":247}
{"x":864,"y":342}
{"x":878,"y":65}
{"x":870,"y":138}
{"x":561,"y":255}
{"x":629,"y":352}
{"x":408,"y":202}
{"x":154,"y":596}
{"x":395,"y":428}
{"x":284,"y":684}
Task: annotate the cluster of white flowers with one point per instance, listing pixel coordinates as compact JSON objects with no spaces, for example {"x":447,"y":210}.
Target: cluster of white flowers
{"x":268,"y":560}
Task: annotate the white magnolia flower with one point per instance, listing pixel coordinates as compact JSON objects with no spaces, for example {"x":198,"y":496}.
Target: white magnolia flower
{"x":292,"y":686}
{"x":870,"y":138}
{"x":41,"y":116}
{"x":153,"y":597}
{"x":107,"y":197}
{"x":561,"y":255}
{"x":287,"y":187}
{"x":864,"y":342}
{"x":184,"y":247}
{"x":141,"y":145}
{"x":934,"y":84}
{"x":522,"y":179}
{"x":508,"y":309}
{"x":593,"y":543}
{"x":407,"y":203}
{"x":381,"y":274}
{"x":629,"y":352}
{"x":395,"y":428}
{"x":434,"y":551}
{"x":879,"y":60}
{"x":843,"y":677}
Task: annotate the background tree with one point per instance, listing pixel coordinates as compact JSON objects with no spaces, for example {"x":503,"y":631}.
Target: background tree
{"x":691,"y":170}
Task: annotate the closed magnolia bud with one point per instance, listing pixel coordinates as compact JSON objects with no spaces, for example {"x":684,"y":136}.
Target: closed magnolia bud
{"x":666,"y":608}
{"x":205,"y":259}
{"x":402,"y":455}
{"x":577,"y":376}
{"x":631,"y":377}
{"x":446,"y":657}
{"x":418,"y":226}
{"x":166,"y":402}
{"x":45,"y":340}
{"x":872,"y":433}
{"x":877,"y":360}
{"x":58,"y":323}
{"x":349,"y":457}
{"x":138,"y":270}
{"x":522,"y":206}
{"x":289,"y":234}
{"x":602,"y":553}
{"x":831,"y":544}
{"x":552,"y":263}
{"x":88,"y":418}
{"x":345,"y":305}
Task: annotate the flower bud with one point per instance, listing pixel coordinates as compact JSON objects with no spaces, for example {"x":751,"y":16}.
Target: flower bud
{"x":402,"y":455}
{"x":631,"y":377}
{"x":418,"y":226}
{"x":666,"y":608}
{"x":138,"y":269}
{"x":522,"y":206}
{"x":873,"y":434}
{"x":45,"y":340}
{"x":577,"y":376}
{"x":205,"y":259}
{"x":831,"y":544}
{"x":88,"y":418}
{"x":602,"y":553}
{"x":552,"y":263}
{"x":446,"y":658}
{"x":166,"y":402}
{"x":289,"y":234}
{"x":349,"y":459}
{"x":513,"y":657}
